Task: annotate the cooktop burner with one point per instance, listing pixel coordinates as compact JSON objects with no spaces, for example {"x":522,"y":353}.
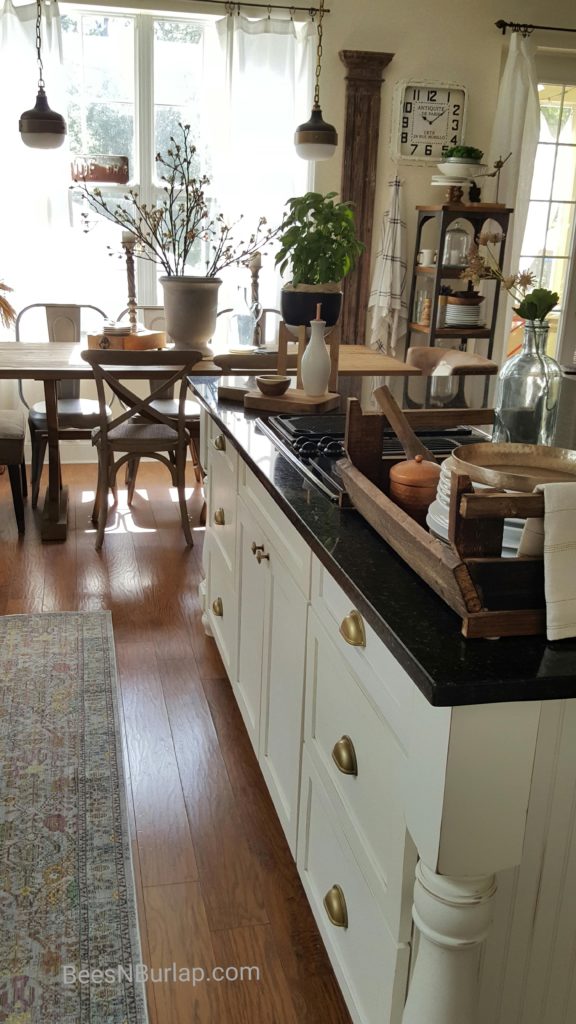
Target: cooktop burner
{"x":315,"y":444}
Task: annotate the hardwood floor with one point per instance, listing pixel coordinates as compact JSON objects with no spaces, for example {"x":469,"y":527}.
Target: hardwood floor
{"x":216,"y":883}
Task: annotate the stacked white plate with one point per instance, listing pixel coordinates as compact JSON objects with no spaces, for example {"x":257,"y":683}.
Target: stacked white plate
{"x":459,"y":315}
{"x":439,"y":510}
{"x":443,"y":179}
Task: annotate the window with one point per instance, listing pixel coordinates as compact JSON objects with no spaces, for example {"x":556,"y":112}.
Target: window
{"x":130,"y":78}
{"x":548,"y":244}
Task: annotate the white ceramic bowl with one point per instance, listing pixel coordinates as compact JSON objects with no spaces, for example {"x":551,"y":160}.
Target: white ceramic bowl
{"x":460,"y":169}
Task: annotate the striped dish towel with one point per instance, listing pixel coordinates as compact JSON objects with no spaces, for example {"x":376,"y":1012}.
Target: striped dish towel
{"x":555,"y":536}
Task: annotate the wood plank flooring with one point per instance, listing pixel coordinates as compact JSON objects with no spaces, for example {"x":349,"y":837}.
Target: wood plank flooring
{"x":216,"y":884}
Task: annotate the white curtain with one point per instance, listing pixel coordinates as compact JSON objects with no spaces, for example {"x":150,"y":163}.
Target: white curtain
{"x":33,"y":182}
{"x":516,"y":129}
{"x":266,"y":93}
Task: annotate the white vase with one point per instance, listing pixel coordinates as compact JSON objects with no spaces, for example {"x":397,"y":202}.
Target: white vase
{"x":191,"y":305}
{"x":315,"y":366}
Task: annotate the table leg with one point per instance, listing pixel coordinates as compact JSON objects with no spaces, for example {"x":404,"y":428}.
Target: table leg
{"x":55,"y":512}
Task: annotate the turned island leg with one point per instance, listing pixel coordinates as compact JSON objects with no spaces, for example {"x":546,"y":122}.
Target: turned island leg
{"x":453,"y":917}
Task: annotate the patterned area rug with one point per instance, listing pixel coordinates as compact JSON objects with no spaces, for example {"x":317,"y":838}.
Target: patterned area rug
{"x":66,"y":885}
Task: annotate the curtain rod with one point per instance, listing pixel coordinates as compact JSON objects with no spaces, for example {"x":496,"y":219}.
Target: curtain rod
{"x":526,"y":30}
{"x":232,"y":4}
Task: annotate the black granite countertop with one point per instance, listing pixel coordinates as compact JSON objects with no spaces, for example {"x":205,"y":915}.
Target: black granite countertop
{"x":418,"y":628}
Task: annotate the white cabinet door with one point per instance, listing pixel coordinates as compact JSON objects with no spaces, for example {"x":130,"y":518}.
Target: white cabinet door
{"x":253,"y":581}
{"x":283,"y":692}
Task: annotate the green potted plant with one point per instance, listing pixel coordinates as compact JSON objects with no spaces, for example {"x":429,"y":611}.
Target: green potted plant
{"x":167,"y":233}
{"x":319,"y":247}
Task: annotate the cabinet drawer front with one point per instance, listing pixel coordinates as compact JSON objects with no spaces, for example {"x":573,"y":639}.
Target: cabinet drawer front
{"x":285,"y":539}
{"x":363,"y":765}
{"x":221,"y":603}
{"x":385,"y":681}
{"x":371,"y":967}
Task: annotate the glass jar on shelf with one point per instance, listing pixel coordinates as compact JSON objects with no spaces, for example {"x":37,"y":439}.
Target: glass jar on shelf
{"x":457,"y":242}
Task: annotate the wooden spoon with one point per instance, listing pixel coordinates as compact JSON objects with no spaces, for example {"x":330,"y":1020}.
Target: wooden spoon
{"x":400,"y":425}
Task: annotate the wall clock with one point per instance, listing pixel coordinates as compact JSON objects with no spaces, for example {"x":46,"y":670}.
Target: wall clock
{"x":427,"y":116}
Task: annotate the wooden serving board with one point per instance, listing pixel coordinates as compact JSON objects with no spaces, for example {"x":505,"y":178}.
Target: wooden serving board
{"x":295,"y":400}
{"x":230,"y":391}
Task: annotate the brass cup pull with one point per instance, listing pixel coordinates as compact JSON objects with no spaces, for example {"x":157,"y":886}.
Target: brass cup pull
{"x":254,"y":548}
{"x":218,"y":607}
{"x":261,"y":557}
{"x":344,"y":756}
{"x":220,"y":443}
{"x":335,"y":907}
{"x":352,"y":629}
{"x":219,"y":517}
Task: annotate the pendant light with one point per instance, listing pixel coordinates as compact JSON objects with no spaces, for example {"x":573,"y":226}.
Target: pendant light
{"x":316,"y":140}
{"x":41,"y":128}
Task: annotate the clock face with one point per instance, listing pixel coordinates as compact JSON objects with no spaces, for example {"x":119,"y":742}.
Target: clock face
{"x":430,"y":117}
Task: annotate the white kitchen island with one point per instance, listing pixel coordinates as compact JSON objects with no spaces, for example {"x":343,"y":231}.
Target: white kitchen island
{"x":426,"y":784}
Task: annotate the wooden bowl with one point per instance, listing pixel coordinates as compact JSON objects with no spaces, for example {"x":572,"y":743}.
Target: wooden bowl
{"x":273,"y":384}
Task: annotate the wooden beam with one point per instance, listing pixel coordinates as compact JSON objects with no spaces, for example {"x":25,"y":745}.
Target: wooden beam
{"x":363,"y":85}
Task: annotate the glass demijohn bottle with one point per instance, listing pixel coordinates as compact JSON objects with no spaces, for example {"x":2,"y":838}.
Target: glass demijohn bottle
{"x":527,"y":390}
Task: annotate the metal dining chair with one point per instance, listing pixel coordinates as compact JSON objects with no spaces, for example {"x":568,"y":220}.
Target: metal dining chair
{"x":140,"y":430}
{"x":76,"y":416}
{"x":12,"y":433}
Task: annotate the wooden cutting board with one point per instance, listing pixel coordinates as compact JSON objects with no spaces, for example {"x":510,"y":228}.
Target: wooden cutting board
{"x":295,"y":400}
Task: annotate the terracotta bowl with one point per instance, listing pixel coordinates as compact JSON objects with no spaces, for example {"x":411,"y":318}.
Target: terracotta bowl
{"x":272,"y":383}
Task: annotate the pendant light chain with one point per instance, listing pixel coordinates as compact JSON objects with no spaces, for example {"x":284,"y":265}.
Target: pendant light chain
{"x":319,"y":52}
{"x":41,"y":82}
{"x":40,"y":127}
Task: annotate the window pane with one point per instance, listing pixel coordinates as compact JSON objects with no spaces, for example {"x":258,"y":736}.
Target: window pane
{"x":98,"y":65}
{"x":178,"y":78}
{"x":564,"y":173}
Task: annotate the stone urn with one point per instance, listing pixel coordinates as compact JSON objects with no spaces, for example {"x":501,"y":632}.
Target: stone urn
{"x":191,"y":306}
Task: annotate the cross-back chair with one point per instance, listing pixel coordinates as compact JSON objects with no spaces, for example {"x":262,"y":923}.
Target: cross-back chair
{"x":153,"y":317}
{"x":140,"y":429}
{"x":76,"y":416}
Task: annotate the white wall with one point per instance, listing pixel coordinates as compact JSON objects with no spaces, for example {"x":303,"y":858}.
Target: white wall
{"x":448,"y":40}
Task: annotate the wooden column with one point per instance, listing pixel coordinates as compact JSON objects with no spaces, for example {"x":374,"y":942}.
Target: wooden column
{"x":363,"y":84}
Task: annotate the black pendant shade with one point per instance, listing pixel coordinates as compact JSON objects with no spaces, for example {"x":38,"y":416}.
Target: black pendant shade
{"x":41,"y":127}
{"x":315,"y":139}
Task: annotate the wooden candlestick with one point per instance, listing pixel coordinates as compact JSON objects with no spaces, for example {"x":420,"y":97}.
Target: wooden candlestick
{"x":128,"y":242}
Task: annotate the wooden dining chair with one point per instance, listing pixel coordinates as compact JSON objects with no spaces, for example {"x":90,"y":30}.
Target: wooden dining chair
{"x":141,"y":429}
{"x":12,"y":433}
{"x":76,"y":416}
{"x":153,"y":317}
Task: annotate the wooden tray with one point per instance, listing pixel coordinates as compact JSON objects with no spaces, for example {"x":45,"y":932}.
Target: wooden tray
{"x":494,"y":596}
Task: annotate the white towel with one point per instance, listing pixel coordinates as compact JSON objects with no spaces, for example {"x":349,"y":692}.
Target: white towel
{"x":386,"y":301}
{"x":555,"y":536}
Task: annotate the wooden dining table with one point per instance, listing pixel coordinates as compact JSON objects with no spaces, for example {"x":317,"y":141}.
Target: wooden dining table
{"x":52,"y":362}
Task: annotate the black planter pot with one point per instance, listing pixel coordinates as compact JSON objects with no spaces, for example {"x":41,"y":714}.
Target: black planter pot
{"x":299,"y":307}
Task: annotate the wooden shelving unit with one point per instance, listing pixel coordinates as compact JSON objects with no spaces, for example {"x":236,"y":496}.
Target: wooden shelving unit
{"x":432,"y":278}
